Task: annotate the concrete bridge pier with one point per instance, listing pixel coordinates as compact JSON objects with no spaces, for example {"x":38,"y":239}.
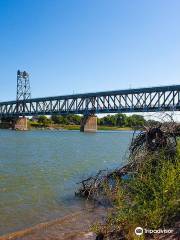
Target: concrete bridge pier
{"x":89,"y":123}
{"x":21,"y":124}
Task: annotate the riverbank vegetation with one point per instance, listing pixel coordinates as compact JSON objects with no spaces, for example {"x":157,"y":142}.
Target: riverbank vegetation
{"x":144,"y":193}
{"x":149,"y":199}
{"x":72,"y":122}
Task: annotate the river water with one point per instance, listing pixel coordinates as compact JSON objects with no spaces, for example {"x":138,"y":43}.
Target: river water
{"x":39,"y":171}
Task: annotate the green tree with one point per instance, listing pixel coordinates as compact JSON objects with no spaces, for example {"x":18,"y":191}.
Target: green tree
{"x":110,"y":120}
{"x":55,"y":119}
{"x":66,"y":119}
{"x":135,"y":121}
{"x":121,"y":119}
{"x":44,"y":120}
{"x":74,"y":119}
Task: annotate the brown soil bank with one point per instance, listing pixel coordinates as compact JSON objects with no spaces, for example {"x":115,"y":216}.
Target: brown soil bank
{"x":75,"y":226}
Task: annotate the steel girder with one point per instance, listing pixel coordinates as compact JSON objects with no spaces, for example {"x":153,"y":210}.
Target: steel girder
{"x":122,"y":101}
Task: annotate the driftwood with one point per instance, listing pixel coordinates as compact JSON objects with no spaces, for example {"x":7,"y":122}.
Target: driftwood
{"x":152,"y":137}
{"x":93,"y":187}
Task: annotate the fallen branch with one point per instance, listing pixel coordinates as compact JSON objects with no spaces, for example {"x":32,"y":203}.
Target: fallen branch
{"x":152,"y":138}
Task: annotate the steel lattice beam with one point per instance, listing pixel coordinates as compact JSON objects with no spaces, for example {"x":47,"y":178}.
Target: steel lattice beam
{"x":123,"y":101}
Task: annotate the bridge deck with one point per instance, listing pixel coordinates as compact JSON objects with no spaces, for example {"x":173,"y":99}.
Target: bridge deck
{"x":165,"y":98}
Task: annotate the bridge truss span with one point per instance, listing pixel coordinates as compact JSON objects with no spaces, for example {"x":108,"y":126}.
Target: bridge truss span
{"x":153,"y":99}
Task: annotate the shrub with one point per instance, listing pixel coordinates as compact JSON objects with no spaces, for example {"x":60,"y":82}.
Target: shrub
{"x":149,"y":199}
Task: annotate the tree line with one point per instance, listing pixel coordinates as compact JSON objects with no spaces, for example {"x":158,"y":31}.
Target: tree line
{"x":117,"y":120}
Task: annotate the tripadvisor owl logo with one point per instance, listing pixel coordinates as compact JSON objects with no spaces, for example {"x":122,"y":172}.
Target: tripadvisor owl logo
{"x":138,"y":231}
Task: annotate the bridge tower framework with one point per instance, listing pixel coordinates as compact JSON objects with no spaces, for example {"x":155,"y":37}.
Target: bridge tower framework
{"x":23,"y":86}
{"x":23,"y":94}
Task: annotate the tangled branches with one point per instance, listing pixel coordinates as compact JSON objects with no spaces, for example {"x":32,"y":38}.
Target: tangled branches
{"x":152,"y":138}
{"x":96,"y":187}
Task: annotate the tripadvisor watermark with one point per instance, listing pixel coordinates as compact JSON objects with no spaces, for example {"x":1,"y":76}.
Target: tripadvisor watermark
{"x":139,"y":231}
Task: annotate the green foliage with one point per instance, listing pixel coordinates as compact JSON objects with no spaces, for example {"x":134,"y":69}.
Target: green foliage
{"x":44,"y":121}
{"x":135,"y":121}
{"x":35,"y":124}
{"x":67,"y":119}
{"x":149,"y":199}
{"x":116,"y":128}
{"x":71,"y":127}
{"x":121,"y":120}
{"x":118,"y":120}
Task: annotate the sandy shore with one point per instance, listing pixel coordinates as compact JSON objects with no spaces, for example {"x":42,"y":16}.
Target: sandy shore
{"x":74,"y":226}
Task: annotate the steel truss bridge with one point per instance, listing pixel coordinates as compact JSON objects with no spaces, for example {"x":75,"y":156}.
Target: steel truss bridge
{"x":152,"y":99}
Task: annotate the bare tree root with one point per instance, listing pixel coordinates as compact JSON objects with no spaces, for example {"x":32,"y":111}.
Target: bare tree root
{"x":96,"y":187}
{"x":154,"y":137}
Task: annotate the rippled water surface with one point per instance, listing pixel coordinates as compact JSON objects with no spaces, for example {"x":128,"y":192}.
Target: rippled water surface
{"x":39,"y":171}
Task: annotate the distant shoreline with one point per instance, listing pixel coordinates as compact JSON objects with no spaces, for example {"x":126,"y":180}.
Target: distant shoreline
{"x":71,"y":127}
{"x":77,"y":127}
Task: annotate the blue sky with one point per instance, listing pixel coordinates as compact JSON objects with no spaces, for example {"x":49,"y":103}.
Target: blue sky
{"x":88,"y":45}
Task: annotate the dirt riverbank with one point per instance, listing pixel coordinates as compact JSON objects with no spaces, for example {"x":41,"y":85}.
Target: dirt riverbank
{"x":74,"y":226}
